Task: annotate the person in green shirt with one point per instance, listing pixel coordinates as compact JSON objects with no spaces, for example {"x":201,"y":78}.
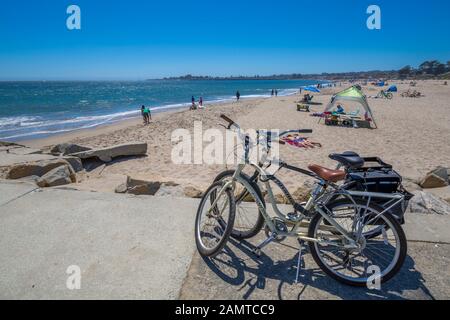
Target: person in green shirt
{"x":146,"y":114}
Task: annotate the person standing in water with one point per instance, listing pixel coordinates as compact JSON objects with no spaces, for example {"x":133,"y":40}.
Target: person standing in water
{"x":200,"y":102}
{"x":238,"y":95}
{"x":276,"y":93}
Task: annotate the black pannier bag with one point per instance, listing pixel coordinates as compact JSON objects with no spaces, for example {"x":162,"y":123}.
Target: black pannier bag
{"x":384,"y":180}
{"x":378,"y":176}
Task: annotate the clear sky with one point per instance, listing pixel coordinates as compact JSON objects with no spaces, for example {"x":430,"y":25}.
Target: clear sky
{"x":141,"y":39}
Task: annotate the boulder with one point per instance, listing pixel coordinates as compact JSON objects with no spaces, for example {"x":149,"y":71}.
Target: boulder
{"x":107,"y":154}
{"x":426,"y":203}
{"x":138,"y":187}
{"x":411,"y":185}
{"x":59,"y":176}
{"x":280,"y":199}
{"x":67,"y":148}
{"x":192,"y":192}
{"x":170,"y":189}
{"x":75,"y":162}
{"x":38,"y":168}
{"x":123,"y":188}
{"x":437,"y":178}
{"x":302,"y":194}
{"x":9,"y":144}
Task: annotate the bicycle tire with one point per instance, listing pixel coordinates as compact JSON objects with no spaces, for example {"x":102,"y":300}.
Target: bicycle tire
{"x":227,"y":227}
{"x":259,"y":223}
{"x":398,"y":264}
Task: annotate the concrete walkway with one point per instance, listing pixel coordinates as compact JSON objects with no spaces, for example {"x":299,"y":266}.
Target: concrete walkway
{"x":126,"y":246}
{"x":130,"y":247}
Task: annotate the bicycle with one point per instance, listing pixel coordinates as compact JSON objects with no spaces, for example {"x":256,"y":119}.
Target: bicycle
{"x":349,"y":238}
{"x":384,"y":94}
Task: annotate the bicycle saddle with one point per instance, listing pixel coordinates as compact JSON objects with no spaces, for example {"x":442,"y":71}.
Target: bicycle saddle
{"x":328,"y":174}
{"x":349,"y":159}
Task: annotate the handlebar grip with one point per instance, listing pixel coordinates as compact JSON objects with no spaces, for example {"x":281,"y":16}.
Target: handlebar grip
{"x":305,"y":131}
{"x":224,"y":117}
{"x":281,"y":142}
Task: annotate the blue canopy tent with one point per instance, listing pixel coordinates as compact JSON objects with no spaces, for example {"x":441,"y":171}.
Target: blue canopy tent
{"x":312,"y":89}
{"x":392,"y":89}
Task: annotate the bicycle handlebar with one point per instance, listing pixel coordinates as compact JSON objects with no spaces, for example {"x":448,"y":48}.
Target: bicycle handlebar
{"x":230,"y":122}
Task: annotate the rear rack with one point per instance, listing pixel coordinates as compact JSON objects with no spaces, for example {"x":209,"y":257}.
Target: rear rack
{"x":377,"y":164}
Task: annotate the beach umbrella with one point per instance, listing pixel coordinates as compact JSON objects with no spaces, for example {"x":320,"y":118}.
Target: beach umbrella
{"x":312,"y":89}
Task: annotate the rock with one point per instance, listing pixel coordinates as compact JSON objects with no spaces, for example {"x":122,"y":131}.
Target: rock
{"x":170,"y":189}
{"x":192,"y":192}
{"x":9,"y":144}
{"x":302,"y":194}
{"x":411,"y":185}
{"x":426,"y":203}
{"x":75,"y":162}
{"x":57,"y":177}
{"x":32,"y":179}
{"x":443,"y":193}
{"x":107,"y":154}
{"x":140,"y":187}
{"x":437,"y":178}
{"x":123,"y":188}
{"x":38,"y":168}
{"x":23,"y":151}
{"x":67,"y":148}
{"x":280,"y":199}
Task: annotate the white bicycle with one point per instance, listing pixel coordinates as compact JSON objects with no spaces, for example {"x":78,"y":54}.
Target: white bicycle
{"x":351,"y":238}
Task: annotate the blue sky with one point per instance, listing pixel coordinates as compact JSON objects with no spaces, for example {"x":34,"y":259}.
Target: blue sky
{"x":149,"y":39}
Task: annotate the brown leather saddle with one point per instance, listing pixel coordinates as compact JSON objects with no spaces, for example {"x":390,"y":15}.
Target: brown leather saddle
{"x":328,"y":174}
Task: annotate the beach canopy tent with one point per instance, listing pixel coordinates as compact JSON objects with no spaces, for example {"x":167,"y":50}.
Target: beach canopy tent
{"x":312,"y":89}
{"x":392,"y":89}
{"x":352,"y":94}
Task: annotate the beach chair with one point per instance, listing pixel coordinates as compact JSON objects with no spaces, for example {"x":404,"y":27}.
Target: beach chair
{"x":303,"y":107}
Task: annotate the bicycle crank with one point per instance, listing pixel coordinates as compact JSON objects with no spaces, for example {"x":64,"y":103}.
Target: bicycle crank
{"x":281,"y":228}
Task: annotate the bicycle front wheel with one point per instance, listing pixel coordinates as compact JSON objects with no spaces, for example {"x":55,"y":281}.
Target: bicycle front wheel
{"x":377,"y":258}
{"x":215,"y":219}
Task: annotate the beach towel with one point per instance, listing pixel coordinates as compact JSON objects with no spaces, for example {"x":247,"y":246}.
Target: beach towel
{"x":301,"y":142}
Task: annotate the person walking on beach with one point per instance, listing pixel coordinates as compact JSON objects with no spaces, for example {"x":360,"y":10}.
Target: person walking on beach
{"x":193,"y":103}
{"x":273,"y":92}
{"x":238,"y":95}
{"x":200,"y":102}
{"x":276,"y":93}
{"x":146,"y":114}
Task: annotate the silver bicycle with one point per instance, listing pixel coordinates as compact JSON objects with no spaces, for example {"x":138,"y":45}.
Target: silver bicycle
{"x":351,"y":238}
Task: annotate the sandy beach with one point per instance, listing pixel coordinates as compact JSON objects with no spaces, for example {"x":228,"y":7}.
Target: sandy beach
{"x":413,"y":135}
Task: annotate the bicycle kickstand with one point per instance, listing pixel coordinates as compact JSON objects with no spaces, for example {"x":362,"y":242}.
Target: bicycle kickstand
{"x":300,"y":261}
{"x":257,"y":250}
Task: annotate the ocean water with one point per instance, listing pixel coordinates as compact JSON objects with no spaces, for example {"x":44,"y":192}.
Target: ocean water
{"x":30,"y":110}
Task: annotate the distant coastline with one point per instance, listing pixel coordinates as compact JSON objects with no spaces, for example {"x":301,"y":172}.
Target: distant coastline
{"x":427,"y":70}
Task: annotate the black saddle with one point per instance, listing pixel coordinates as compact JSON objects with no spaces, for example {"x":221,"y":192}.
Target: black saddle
{"x":349,"y":159}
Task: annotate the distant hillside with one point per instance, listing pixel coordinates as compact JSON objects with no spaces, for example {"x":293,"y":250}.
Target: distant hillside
{"x":427,"y":70}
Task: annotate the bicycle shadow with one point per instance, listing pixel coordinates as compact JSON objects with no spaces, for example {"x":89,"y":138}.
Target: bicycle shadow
{"x":237,"y":265}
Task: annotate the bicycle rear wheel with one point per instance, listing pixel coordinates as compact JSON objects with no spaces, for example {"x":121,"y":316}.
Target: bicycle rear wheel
{"x":248,"y":218}
{"x":383,"y":254}
{"x":214,"y":220}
